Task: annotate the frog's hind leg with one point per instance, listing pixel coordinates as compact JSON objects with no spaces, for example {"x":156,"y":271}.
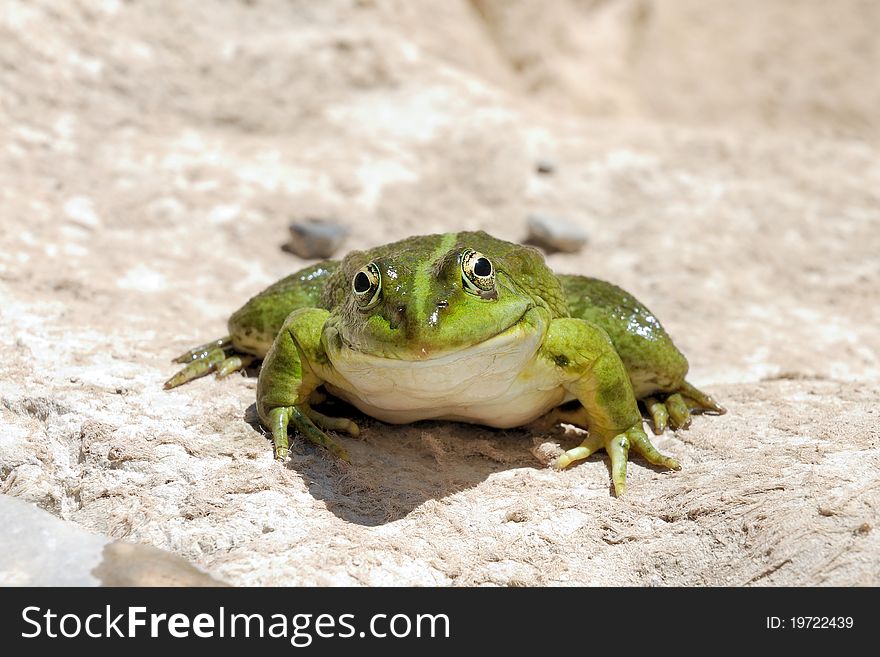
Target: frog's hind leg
{"x":678,"y":407}
{"x":215,"y":356}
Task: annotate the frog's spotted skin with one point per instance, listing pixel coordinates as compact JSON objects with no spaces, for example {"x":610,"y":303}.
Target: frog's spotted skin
{"x":459,"y":326}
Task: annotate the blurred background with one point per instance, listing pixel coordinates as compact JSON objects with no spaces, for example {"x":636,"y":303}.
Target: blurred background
{"x":718,"y":159}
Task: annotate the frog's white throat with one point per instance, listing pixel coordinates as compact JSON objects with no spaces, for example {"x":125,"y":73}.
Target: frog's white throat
{"x":499,"y":382}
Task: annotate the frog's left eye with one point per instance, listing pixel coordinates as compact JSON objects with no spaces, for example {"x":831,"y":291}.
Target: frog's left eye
{"x":367,"y":286}
{"x":477,"y":273}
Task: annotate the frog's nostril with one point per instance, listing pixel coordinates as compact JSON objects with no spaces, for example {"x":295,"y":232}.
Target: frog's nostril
{"x":398,"y":315}
{"x":443,"y":304}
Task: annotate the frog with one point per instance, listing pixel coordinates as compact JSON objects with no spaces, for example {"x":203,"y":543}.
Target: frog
{"x":462,"y":327}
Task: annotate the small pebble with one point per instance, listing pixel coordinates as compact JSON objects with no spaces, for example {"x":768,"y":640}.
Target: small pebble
{"x":315,"y":238}
{"x":545,"y":166}
{"x":555,"y":234}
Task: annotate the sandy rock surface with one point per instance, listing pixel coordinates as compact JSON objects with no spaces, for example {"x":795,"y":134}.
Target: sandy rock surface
{"x":153,"y":155}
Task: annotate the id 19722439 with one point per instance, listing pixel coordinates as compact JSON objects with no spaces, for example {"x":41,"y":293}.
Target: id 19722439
{"x":810,"y":623}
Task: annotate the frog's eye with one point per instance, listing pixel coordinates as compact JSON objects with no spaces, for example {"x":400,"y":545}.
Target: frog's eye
{"x":366,"y":285}
{"x":477,"y":273}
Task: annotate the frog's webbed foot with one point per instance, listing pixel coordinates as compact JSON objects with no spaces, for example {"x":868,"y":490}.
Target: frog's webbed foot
{"x":306,"y":422}
{"x":215,"y":356}
{"x":676,"y":409}
{"x":618,"y":449}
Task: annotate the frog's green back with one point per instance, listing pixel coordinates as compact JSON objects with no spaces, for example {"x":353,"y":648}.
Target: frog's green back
{"x":653,"y":362}
{"x":254,"y":326}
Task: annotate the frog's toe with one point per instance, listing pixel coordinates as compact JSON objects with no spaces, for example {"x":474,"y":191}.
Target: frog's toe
{"x":640,"y":442}
{"x":677,"y":408}
{"x":679,"y":415}
{"x":618,"y":449}
{"x":199,"y":367}
{"x":582,"y":451}
{"x":203,"y":350}
{"x":279,"y":421}
{"x":658,"y":413}
{"x":279,"y":418}
{"x":216,"y":362}
{"x":302,"y":418}
{"x":702,"y":403}
{"x":333,"y":423}
{"x":218,"y":356}
{"x":234,"y":364}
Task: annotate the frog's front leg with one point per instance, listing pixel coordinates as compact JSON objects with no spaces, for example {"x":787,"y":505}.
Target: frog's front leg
{"x":288,"y":380}
{"x":592,"y":371}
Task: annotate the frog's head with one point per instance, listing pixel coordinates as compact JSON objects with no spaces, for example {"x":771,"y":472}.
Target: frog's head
{"x":425,"y":297}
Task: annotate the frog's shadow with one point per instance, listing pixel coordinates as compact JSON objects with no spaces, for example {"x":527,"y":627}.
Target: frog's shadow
{"x":396,"y":468}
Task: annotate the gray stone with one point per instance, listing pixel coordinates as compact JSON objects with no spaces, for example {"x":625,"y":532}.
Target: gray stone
{"x":38,"y":549}
{"x":555,"y":234}
{"x":316,"y":238}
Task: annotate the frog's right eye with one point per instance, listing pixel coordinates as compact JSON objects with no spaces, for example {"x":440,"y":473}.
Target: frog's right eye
{"x":367,"y":286}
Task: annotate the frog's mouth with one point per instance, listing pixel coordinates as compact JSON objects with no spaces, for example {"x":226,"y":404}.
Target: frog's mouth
{"x":526,"y":332}
{"x":460,"y":377}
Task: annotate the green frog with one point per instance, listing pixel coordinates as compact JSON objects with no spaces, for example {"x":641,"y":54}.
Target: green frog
{"x":463,"y":327}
